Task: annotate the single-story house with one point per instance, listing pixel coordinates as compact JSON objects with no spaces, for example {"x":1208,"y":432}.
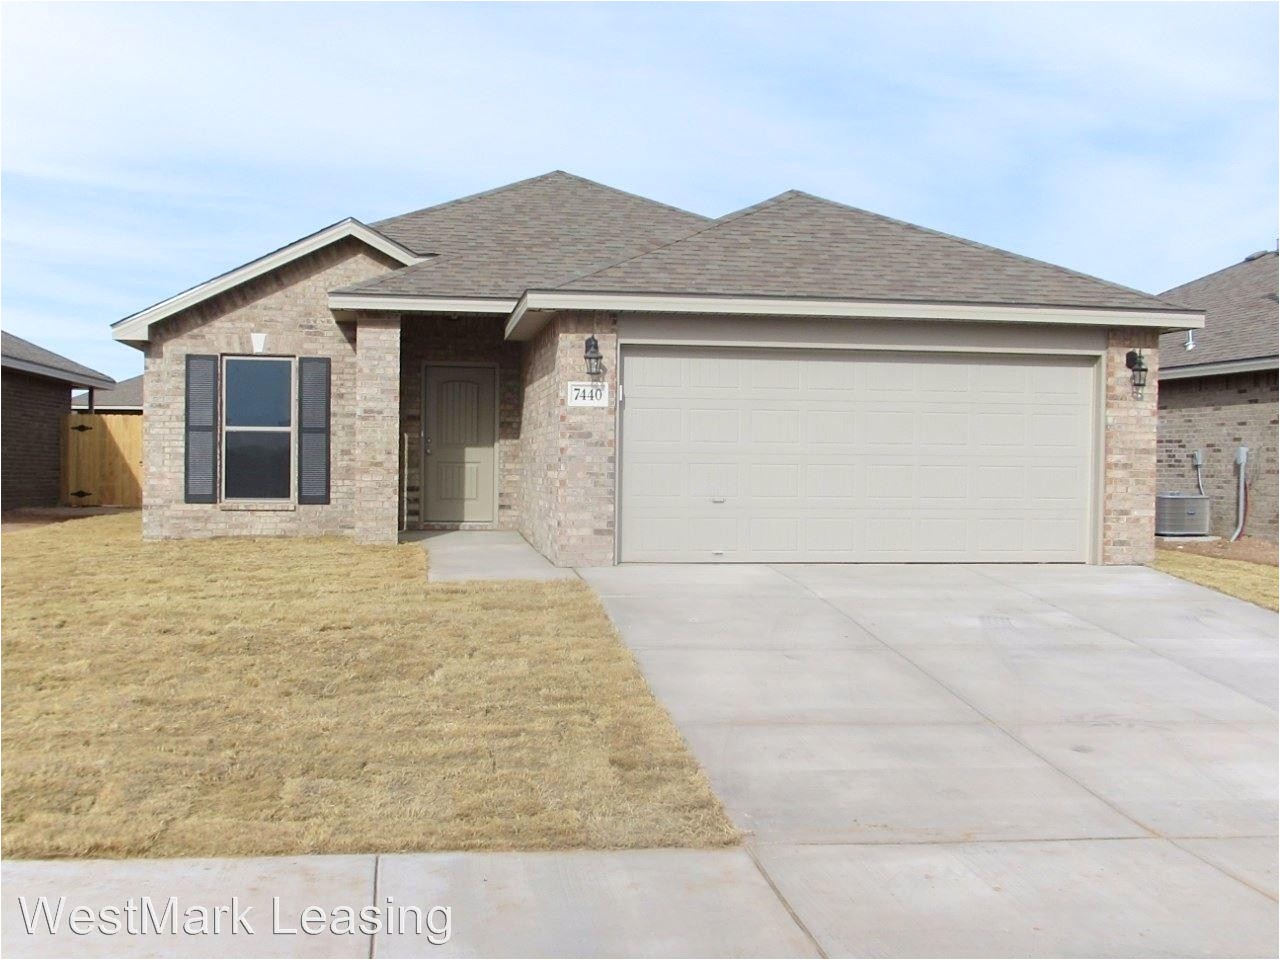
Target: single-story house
{"x":1218,"y":392}
{"x":621,"y":380}
{"x":36,"y":395}
{"x":125,"y":397}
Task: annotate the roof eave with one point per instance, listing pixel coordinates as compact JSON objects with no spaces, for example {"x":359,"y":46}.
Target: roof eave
{"x":97,"y":382}
{"x":1218,"y":368}
{"x":530,"y":313}
{"x":399,"y":303}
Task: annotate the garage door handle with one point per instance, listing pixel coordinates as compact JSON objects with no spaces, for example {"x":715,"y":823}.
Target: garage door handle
{"x":717,"y":499}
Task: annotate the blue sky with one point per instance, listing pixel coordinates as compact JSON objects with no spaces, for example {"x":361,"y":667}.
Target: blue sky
{"x":148,"y":147}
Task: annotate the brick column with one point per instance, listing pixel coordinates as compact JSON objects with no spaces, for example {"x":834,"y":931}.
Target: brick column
{"x":377,"y":442}
{"x":587,"y":465}
{"x":1129,"y":478}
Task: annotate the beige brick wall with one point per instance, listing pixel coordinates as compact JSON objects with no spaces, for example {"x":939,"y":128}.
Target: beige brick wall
{"x":569,"y":454}
{"x":1215,"y":415}
{"x":465,"y":339}
{"x":377,"y":440}
{"x":1129,"y":467}
{"x":290,"y":306}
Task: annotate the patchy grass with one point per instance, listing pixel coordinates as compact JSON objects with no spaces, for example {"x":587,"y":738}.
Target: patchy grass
{"x":245,"y":697}
{"x":1255,"y":582}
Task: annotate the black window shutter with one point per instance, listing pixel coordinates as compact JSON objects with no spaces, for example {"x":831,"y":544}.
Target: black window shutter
{"x":200,"y":483}
{"x":313,"y":429}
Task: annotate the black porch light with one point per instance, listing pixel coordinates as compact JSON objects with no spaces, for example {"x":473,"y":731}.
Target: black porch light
{"x":1137,"y":371}
{"x":595,"y":362}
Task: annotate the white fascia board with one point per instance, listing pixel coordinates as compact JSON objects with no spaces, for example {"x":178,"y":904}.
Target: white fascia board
{"x":104,"y":408}
{"x":1218,"y":369}
{"x":366,"y":301}
{"x":54,"y":373}
{"x":525,"y":320}
{"x":137,"y":328}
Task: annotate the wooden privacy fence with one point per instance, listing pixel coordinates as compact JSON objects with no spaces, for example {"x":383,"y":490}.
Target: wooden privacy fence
{"x":102,"y":459}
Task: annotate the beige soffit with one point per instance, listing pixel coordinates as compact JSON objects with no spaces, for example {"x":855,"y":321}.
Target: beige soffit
{"x":530,"y":313}
{"x":137,"y":328}
{"x":1218,"y":369}
{"x":408,"y":304}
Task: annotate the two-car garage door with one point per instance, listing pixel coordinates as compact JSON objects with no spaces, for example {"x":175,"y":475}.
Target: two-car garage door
{"x":836,"y":456}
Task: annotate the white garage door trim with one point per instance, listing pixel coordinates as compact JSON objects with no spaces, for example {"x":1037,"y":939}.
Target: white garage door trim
{"x":1086,"y":351}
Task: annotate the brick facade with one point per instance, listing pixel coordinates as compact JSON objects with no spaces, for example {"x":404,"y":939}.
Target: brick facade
{"x":289,"y":305}
{"x":569,"y":454}
{"x":557,"y":464}
{"x":377,"y":436}
{"x":1215,"y":415}
{"x":1129,"y":444}
{"x":31,"y":436}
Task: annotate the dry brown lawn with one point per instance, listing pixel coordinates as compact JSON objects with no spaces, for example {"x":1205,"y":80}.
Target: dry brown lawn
{"x":1255,"y":582}
{"x":243,"y":697}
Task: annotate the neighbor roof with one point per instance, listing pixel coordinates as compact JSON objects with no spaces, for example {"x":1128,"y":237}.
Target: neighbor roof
{"x":19,"y":354}
{"x":798,"y":245}
{"x":125,"y":395}
{"x":533,"y":233}
{"x":1241,"y":312}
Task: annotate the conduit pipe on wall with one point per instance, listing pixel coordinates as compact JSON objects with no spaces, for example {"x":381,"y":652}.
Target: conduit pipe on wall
{"x":1242,"y":494}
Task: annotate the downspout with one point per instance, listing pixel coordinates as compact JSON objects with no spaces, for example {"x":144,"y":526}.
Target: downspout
{"x":1242,"y":494}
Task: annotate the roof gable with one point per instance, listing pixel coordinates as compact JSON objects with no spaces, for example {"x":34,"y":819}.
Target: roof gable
{"x":798,"y":245}
{"x":19,"y":354}
{"x":137,"y":327}
{"x":1241,"y":315}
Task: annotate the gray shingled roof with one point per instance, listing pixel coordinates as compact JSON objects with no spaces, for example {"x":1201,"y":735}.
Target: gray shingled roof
{"x":1240,"y":304}
{"x":524,"y":235}
{"x":125,"y":395}
{"x":798,"y":245}
{"x":19,"y":354}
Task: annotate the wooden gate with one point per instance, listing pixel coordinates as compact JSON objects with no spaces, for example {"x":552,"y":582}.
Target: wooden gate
{"x":102,"y":459}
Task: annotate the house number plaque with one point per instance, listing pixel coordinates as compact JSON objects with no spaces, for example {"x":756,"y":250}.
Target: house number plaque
{"x":585,"y":394}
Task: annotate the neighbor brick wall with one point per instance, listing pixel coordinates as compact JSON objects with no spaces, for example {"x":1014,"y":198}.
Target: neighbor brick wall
{"x":31,"y":437}
{"x":1129,"y":471}
{"x":569,"y":454}
{"x":290,"y":306}
{"x":465,"y":339}
{"x":1215,"y":415}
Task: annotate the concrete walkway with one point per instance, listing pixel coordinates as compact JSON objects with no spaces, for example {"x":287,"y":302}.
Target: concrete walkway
{"x":660,"y":903}
{"x":484,"y":555}
{"x":980,"y":761}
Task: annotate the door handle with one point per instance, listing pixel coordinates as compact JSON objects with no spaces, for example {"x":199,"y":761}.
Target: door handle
{"x":717,"y":499}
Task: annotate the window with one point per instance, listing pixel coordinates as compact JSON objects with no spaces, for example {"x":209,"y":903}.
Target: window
{"x":257,"y":428}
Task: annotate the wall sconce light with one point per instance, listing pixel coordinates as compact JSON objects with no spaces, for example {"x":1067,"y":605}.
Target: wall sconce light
{"x":1137,"y":371}
{"x":595,"y":362}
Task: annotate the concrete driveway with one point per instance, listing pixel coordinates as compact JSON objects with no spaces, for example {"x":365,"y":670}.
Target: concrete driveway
{"x":980,"y":760}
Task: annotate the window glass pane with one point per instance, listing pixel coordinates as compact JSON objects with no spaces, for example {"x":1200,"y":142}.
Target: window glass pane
{"x":258,"y":393}
{"x":257,"y":466}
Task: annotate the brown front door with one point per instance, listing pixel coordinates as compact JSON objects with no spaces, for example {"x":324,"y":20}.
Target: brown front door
{"x":459,"y":430}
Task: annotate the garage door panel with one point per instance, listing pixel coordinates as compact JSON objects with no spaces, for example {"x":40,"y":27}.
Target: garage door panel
{"x":772,"y":456}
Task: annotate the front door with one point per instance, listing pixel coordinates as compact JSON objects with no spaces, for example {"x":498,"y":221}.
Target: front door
{"x":459,"y":427}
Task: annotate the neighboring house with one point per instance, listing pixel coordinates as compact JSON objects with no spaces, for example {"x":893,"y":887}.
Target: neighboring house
{"x":36,"y":394}
{"x":124,"y":397}
{"x":799,"y":380}
{"x":1218,"y":391}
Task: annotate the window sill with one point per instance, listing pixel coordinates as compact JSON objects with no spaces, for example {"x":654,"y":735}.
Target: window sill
{"x":258,"y":505}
